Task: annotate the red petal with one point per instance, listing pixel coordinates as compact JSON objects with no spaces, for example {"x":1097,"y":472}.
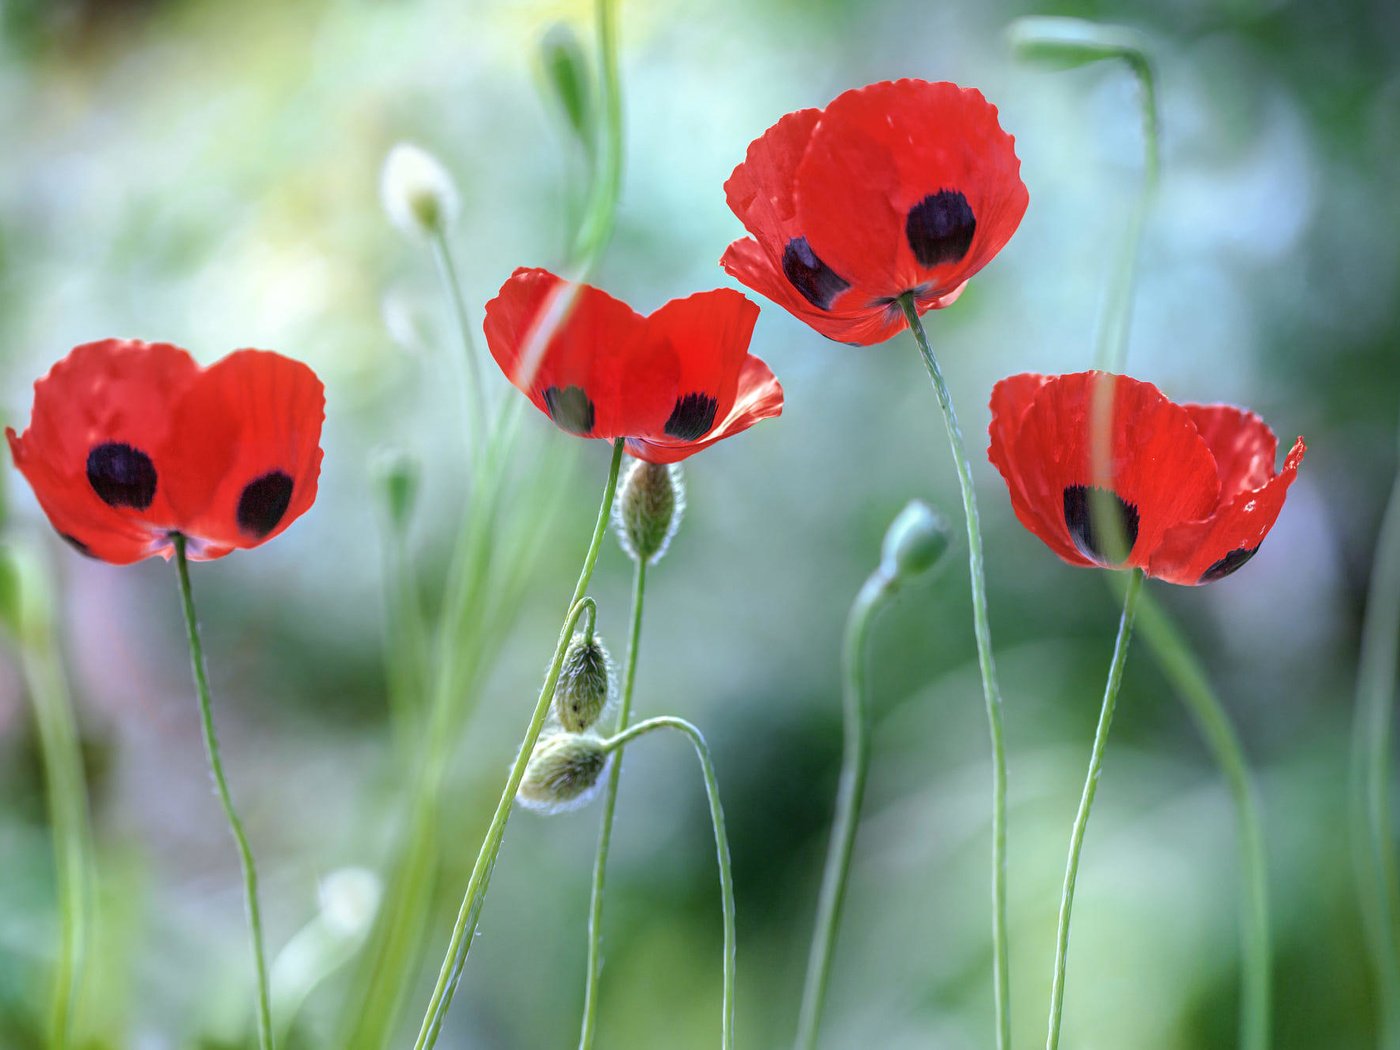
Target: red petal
{"x":760,"y":396}
{"x":588,"y":351}
{"x":709,"y":334}
{"x":114,"y":392}
{"x":246,"y":453}
{"x":877,"y":153}
{"x":1244,"y":448}
{"x":1160,"y":466}
{"x":1201,"y":551}
{"x":760,"y":191}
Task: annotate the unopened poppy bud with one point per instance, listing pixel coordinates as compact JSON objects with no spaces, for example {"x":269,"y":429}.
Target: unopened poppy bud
{"x":566,"y":73}
{"x":563,"y":772}
{"x":417,"y":191}
{"x":1064,"y":43}
{"x":585,"y":684}
{"x":396,"y":473}
{"x":915,"y":542}
{"x":648,"y":509}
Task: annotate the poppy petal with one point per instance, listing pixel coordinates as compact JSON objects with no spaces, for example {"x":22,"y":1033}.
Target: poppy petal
{"x":1199,"y":552}
{"x":709,"y":334}
{"x":93,"y":448}
{"x":759,"y":396}
{"x":578,"y":379}
{"x":1162,"y":472}
{"x":760,"y":190}
{"x":247,"y":455}
{"x":908,"y":186}
{"x":1244,"y":447}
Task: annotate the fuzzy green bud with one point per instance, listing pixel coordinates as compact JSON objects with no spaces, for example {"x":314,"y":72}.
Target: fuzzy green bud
{"x":1066,"y":43}
{"x":585,"y":684}
{"x":417,"y":191}
{"x":396,"y":473}
{"x":563,"y":772}
{"x":567,"y":75}
{"x":915,"y":542}
{"x":648,"y":510}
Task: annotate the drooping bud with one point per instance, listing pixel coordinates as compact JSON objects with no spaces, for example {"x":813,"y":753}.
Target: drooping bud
{"x":1064,"y":43}
{"x":585,"y":685}
{"x":648,"y":510}
{"x":563,"y":772}
{"x":417,"y":191}
{"x":396,"y":474}
{"x":566,"y":73}
{"x":915,"y":542}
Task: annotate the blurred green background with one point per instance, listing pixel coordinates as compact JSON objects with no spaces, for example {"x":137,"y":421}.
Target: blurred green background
{"x":206,"y":172}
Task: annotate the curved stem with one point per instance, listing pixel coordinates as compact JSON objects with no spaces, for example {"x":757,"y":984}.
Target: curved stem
{"x":991,"y":692}
{"x":1375,"y":696}
{"x":726,"y":876}
{"x":600,"y":861}
{"x":464,"y":930}
{"x":1091,"y":785}
{"x":607,"y":175}
{"x":476,"y":403}
{"x":216,"y":766}
{"x":1173,"y":654}
{"x":855,"y":764}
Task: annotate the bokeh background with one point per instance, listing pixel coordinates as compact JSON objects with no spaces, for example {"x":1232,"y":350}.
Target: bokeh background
{"x":206,"y":172}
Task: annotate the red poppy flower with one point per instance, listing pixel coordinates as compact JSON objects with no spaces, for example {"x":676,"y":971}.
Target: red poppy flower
{"x":903,"y":186}
{"x":671,"y":383}
{"x":1194,"y":485}
{"x":132,"y":442}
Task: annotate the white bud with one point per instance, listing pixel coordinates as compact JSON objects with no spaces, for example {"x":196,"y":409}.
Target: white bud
{"x":417,"y":191}
{"x":349,"y":900}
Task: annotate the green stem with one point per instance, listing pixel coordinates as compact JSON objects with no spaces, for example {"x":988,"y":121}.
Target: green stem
{"x":991,"y":692}
{"x":598,"y":220}
{"x":600,"y":861}
{"x":726,"y":876}
{"x":855,"y":764}
{"x":476,"y":410}
{"x":216,"y":766}
{"x":1375,"y":697}
{"x":1091,"y":785}
{"x":464,"y":930}
{"x":1173,"y":654}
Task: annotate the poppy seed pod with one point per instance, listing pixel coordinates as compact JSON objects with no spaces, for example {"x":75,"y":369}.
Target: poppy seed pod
{"x":648,"y":510}
{"x":585,"y":684}
{"x":563,"y":772}
{"x":915,"y":542}
{"x":417,"y":191}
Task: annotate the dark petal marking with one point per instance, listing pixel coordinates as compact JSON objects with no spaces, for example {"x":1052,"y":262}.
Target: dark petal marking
{"x":263,"y":502}
{"x":122,"y":476}
{"x":940,"y":228}
{"x":814,"y":280}
{"x":570,"y":409}
{"x":77,"y":544}
{"x":1228,"y":564}
{"x":1079,"y":517}
{"x":692,"y":417}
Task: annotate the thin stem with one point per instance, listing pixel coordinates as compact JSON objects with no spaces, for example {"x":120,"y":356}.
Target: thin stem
{"x":476,"y":404}
{"x":600,"y":861}
{"x":855,"y":764}
{"x":726,"y":876}
{"x":991,"y":692}
{"x":1091,"y":785}
{"x":597,"y":224}
{"x":1174,"y":655}
{"x":1375,"y":696}
{"x":464,"y":930}
{"x":211,"y":746}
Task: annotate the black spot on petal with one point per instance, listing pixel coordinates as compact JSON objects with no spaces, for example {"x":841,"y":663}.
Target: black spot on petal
{"x":817,"y":282}
{"x":1079,"y":517}
{"x":263,"y":502}
{"x":692,"y":417}
{"x":570,"y":409}
{"x":1228,"y":564}
{"x":940,"y":228}
{"x":77,"y":544}
{"x":122,"y":476}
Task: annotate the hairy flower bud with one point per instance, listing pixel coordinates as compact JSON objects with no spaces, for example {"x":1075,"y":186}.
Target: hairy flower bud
{"x":417,"y":191}
{"x":915,"y":542}
{"x":563,"y":772}
{"x":585,"y":684}
{"x":650,"y":502}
